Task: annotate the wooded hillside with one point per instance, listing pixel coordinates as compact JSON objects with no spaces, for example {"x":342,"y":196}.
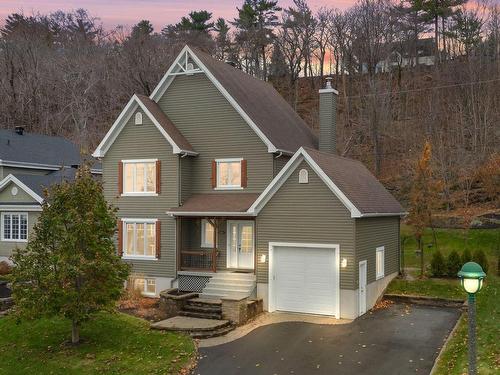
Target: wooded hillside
{"x":406,"y":72}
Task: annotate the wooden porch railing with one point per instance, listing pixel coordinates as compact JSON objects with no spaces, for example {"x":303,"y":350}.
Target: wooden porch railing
{"x":198,"y":260}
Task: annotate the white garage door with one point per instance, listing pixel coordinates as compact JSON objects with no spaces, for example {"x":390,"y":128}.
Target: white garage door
{"x":304,"y":279}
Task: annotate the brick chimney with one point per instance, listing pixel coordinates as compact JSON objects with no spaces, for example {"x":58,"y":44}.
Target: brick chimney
{"x":328,"y":118}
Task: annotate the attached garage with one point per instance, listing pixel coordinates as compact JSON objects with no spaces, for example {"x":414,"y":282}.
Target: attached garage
{"x":304,"y":278}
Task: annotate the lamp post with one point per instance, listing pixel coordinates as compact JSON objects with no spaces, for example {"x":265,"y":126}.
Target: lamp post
{"x":471,"y":277}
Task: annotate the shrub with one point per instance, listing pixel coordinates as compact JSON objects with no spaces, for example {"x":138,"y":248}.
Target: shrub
{"x":438,"y":267}
{"x":5,"y":268}
{"x":480,"y":258}
{"x":466,"y":256}
{"x":453,"y":264}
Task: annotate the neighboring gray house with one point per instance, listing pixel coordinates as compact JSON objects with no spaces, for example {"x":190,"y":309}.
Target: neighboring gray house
{"x":223,"y":189}
{"x":29,"y":163}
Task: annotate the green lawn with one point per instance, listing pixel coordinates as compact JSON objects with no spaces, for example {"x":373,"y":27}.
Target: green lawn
{"x":113,"y":344}
{"x":451,"y":239}
{"x":454,"y":358}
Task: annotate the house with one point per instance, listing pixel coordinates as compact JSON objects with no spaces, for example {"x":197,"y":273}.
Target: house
{"x":222,"y":189}
{"x":29,"y":163}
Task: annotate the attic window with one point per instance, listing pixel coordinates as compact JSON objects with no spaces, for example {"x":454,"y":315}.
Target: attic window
{"x":303,"y":176}
{"x":138,"y":118}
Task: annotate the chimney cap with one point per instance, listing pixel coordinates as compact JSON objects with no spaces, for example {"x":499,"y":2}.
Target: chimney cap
{"x":329,"y":83}
{"x":329,"y":88}
{"x":19,"y":130}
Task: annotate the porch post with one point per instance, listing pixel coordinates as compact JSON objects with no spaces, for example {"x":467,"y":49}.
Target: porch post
{"x":179,"y":241}
{"x":214,"y":250}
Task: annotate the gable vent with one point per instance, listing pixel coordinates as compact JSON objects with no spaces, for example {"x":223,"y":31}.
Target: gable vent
{"x":303,"y":176}
{"x":138,"y":118}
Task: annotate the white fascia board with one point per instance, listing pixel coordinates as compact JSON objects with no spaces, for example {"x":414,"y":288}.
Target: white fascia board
{"x":168,"y":78}
{"x":21,"y":164}
{"x":122,"y":120}
{"x":382,"y":214}
{"x":285,"y":173}
{"x":11,"y":178}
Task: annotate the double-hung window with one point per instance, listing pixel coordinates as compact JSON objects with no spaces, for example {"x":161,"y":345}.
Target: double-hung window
{"x":379,"y":262}
{"x":229,"y":173}
{"x":15,"y":226}
{"x":207,"y":233}
{"x":139,"y":240}
{"x":140,"y":177}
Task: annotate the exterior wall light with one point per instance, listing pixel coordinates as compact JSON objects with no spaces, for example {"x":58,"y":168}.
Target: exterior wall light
{"x":343,"y":263}
{"x":471,"y":278}
{"x":262,"y":258}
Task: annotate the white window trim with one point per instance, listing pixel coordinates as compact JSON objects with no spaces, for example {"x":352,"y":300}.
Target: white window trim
{"x":203,"y":232}
{"x":144,"y":292}
{"x":126,"y":221}
{"x":382,"y":274}
{"x":227,"y":187}
{"x":27,"y":227}
{"x":138,"y":193}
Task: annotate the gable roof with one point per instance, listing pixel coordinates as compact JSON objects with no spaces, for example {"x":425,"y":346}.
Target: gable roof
{"x":353,"y":184}
{"x":259,"y":104}
{"x":37,"y":149}
{"x":166,"y":127}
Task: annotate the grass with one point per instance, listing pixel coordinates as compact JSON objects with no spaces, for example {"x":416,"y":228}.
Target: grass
{"x":453,"y":360}
{"x":112,"y":344}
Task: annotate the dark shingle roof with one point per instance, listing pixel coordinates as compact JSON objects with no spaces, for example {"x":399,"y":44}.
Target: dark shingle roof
{"x":38,"y":183}
{"x":37,"y":148}
{"x":166,"y":123}
{"x":217,"y":202}
{"x":357,"y":183}
{"x":263,"y":104}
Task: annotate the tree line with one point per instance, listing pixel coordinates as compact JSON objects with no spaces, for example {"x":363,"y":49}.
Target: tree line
{"x":407,"y":71}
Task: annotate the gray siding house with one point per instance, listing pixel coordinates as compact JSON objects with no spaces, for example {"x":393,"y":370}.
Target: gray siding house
{"x":222,"y":189}
{"x":29,"y":163}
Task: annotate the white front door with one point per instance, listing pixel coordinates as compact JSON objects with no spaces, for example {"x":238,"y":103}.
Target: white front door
{"x":362,"y":287}
{"x":240,"y":244}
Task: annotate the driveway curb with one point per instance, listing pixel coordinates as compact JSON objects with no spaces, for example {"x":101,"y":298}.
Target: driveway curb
{"x":428,"y":301}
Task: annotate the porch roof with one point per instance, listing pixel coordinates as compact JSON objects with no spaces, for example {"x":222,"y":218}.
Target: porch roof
{"x":216,"y":204}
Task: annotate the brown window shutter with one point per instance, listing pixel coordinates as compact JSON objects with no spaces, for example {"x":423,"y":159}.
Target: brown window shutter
{"x":158,"y":176}
{"x":158,"y":239}
{"x":120,"y":237}
{"x":214,"y":174}
{"x":243,"y":173}
{"x":120,"y":177}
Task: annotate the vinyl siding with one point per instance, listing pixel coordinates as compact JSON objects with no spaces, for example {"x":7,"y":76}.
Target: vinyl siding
{"x":327,"y":122}
{"x":308,"y":213}
{"x":279,"y":163}
{"x":6,"y":248}
{"x":216,"y":131}
{"x":146,"y":142}
{"x":372,"y":233}
{"x":21,"y":197}
{"x":185,"y":176}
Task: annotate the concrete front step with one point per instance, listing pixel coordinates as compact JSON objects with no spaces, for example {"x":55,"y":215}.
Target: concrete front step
{"x":230,"y":286}
{"x":235,"y":275}
{"x":203,"y":315}
{"x":208,"y":309}
{"x":189,"y":324}
{"x":218,"y":295}
{"x":214,"y":333}
{"x":224,"y":291}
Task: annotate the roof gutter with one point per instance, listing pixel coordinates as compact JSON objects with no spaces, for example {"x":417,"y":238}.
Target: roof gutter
{"x":382,"y":214}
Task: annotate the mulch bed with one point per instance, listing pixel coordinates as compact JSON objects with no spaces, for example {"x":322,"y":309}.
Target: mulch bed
{"x":144,"y":308}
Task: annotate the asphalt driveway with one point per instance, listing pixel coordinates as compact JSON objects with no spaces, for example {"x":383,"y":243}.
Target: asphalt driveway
{"x":400,"y":339}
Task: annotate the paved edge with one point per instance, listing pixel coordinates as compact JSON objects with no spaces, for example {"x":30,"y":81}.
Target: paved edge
{"x":446,"y":342}
{"x":265,"y":319}
{"x":424,"y":300}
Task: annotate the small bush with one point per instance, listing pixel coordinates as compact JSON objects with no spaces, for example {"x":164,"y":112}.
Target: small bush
{"x":480,"y":258}
{"x":453,"y":264}
{"x":466,"y":256}
{"x":438,"y":266}
{"x":5,"y":268}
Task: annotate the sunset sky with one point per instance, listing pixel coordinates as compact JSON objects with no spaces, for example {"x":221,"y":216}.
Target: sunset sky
{"x":129,"y":12}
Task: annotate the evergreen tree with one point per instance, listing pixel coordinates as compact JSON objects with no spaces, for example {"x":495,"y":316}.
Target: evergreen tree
{"x":453,"y":264}
{"x":438,"y":266}
{"x":69,"y":267}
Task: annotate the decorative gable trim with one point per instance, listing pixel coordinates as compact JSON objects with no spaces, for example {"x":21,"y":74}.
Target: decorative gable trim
{"x":287,"y":171}
{"x":122,"y":120}
{"x":179,"y":67}
{"x":11,"y":178}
